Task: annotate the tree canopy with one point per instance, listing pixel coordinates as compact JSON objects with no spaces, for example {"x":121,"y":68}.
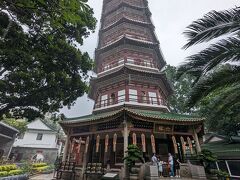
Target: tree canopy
{"x":41,"y":65}
{"x":19,"y":124}
{"x":216,"y":69}
{"x":178,"y":100}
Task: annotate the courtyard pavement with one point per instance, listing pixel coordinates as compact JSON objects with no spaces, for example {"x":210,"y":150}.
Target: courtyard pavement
{"x":50,"y":177}
{"x":43,"y":177}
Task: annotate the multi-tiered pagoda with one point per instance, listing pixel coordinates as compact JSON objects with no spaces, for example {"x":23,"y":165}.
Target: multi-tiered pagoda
{"x":130,"y":94}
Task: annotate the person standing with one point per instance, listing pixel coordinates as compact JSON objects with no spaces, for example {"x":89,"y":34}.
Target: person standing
{"x":177,"y":167}
{"x":160,"y":167}
{"x":154,"y":160}
{"x":171,"y":163}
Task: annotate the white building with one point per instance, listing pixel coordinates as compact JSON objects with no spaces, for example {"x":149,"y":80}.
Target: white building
{"x":38,"y":139}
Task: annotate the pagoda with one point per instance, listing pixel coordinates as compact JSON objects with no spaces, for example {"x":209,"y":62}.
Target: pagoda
{"x":130,"y":93}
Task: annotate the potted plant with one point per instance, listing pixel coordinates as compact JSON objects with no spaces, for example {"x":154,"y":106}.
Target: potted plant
{"x":221,"y":175}
{"x":207,"y":158}
{"x":134,"y":154}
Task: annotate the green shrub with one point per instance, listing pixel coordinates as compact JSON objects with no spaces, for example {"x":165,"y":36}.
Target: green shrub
{"x":3,"y":173}
{"x":39,"y":164}
{"x":220,"y":174}
{"x":41,"y":169}
{"x":27,"y":167}
{"x":15,"y":172}
{"x":8,"y":167}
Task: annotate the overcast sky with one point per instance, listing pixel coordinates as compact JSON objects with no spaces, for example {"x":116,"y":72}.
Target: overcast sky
{"x":170,"y":18}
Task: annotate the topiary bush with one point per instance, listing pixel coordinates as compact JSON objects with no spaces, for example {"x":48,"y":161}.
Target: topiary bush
{"x":207,"y":158}
{"x":134,"y":154}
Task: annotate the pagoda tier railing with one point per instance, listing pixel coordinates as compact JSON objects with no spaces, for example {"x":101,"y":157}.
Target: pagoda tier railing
{"x":114,"y":4}
{"x":122,"y":62}
{"x":132,"y":98}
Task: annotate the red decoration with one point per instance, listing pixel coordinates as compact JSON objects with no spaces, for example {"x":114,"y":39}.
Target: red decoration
{"x":153,"y":144}
{"x":106,"y":143}
{"x":143,"y":143}
{"x":114,"y":142}
{"x":97,"y":143}
{"x":134,"y":138}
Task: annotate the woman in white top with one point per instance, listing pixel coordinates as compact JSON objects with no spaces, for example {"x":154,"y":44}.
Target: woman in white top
{"x":160,"y":167}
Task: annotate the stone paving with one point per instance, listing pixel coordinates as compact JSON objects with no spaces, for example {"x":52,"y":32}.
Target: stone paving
{"x":50,"y":177}
{"x":43,"y":177}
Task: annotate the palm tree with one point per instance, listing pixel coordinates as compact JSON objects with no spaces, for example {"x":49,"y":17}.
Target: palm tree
{"x":217,"y":68}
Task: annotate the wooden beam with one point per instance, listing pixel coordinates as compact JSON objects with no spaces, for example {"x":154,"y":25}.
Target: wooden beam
{"x":97,"y":132}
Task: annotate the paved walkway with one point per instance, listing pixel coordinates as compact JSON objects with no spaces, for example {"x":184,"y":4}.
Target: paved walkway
{"x":43,"y":177}
{"x":50,"y":177}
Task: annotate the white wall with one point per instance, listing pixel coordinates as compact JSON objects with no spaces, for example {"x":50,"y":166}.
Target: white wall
{"x":29,"y":140}
{"x":49,"y":138}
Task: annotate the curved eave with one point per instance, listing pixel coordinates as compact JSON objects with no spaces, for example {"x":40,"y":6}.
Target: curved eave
{"x":95,"y":119}
{"x":125,"y":19}
{"x":155,"y":118}
{"x":161,"y":118}
{"x":115,"y":73}
{"x":136,"y":42}
{"x":125,"y":4}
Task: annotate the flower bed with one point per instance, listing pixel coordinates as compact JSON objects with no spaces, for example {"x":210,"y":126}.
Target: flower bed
{"x":10,"y":170}
{"x":41,"y":168}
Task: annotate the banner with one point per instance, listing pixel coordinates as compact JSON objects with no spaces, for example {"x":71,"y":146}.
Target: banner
{"x":79,"y":145}
{"x":106,"y":143}
{"x":87,"y":144}
{"x":72,"y":145}
{"x":153,"y":144}
{"x":97,"y":143}
{"x":143,"y":143}
{"x":190,"y":144}
{"x":134,"y":139}
{"x":175,"y":144}
{"x":183,"y":145}
{"x":114,"y":142}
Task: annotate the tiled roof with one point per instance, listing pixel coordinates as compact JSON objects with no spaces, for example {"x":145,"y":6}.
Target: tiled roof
{"x":157,"y":115}
{"x":223,"y":148}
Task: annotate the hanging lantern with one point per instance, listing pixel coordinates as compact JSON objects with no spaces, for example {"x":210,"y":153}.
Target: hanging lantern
{"x":153,"y":144}
{"x":86,"y":145}
{"x":79,"y":145}
{"x":97,"y":143}
{"x":143,"y":143}
{"x":106,"y":143}
{"x":114,"y":142}
{"x":190,"y":144}
{"x":183,"y":145}
{"x":175,"y":144}
{"x":134,"y":139}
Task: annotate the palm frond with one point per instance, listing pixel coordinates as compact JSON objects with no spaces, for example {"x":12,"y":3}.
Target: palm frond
{"x":224,"y":51}
{"x":224,"y":77}
{"x":200,"y":64}
{"x":226,"y":99}
{"x":213,"y":25}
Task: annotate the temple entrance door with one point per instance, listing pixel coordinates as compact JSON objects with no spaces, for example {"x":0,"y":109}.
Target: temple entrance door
{"x":163,"y":151}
